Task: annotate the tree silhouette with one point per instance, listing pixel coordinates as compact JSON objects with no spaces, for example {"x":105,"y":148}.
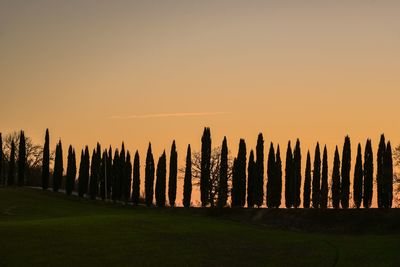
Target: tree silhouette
{"x":346,"y":167}
{"x":259,"y":182}
{"x":94,"y":175}
{"x":58,"y":168}
{"x":223,"y":176}
{"x":278,"y":179}
{"x":127,"y":178}
{"x":122,"y":173}
{"x":161,"y":181}
{"x":368,"y":175}
{"x":116,"y":176}
{"x":358,"y":179}
{"x":1,"y":160}
{"x":289,"y":177}
{"x":252,"y":172}
{"x":109,"y":172}
{"x":81,"y":180}
{"x":316,"y":182}
{"x":136,"y":179}
{"x":71,"y":171}
{"x":205,"y":167}
{"x":307,"y":183}
{"x":173,"y":175}
{"x":86,"y":169}
{"x":149,"y":177}
{"x":271,"y":175}
{"x":380,"y":171}
{"x":388,"y":182}
{"x":102,"y":175}
{"x":297,"y":175}
{"x":187,"y":184}
{"x":324,"y":180}
{"x":11,"y":166}
{"x":336,"y":180}
{"x":239,"y":177}
{"x":46,"y":162}
{"x":21,"y":159}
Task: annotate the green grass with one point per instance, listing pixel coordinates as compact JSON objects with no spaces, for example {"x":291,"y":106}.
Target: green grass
{"x":47,"y":229}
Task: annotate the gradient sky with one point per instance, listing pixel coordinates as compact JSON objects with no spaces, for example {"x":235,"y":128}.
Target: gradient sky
{"x":143,"y":71}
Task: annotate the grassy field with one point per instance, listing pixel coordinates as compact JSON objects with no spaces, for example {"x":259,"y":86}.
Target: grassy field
{"x":47,"y":229}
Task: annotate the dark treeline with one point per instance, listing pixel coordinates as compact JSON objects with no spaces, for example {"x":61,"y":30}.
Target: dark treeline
{"x":116,"y":176}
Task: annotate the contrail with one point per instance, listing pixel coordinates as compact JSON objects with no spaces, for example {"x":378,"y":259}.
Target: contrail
{"x":168,"y":115}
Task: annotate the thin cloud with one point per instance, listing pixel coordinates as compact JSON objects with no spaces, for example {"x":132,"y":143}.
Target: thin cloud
{"x":167,"y":115}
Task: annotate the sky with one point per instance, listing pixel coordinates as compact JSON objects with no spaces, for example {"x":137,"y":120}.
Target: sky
{"x":141,"y":71}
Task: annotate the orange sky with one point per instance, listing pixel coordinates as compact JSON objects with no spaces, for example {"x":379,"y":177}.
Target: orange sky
{"x":143,"y":71}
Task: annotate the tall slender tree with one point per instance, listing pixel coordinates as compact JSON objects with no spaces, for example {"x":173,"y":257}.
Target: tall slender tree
{"x":122,"y":172}
{"x":289,"y":177}
{"x":324,"y":180}
{"x":21,"y":159}
{"x":46,"y":162}
{"x":136,"y":179}
{"x":307,"y":183}
{"x":149,"y":177}
{"x":173,"y":175}
{"x":223,"y":176}
{"x":259,"y":182}
{"x":346,"y":167}
{"x":58,"y":168}
{"x":86,"y":169}
{"x":239,"y":177}
{"x":252,"y":172}
{"x":94,"y":175}
{"x":116,"y":176}
{"x":336,"y":180}
{"x":2,"y":180}
{"x":187,"y":184}
{"x":297,"y":175}
{"x":81,"y":180}
{"x":127,"y":178}
{"x":271,"y":175}
{"x":109,"y":172}
{"x":388,"y":182}
{"x":358,"y":179}
{"x":316,"y":183}
{"x":368,"y":175}
{"x":71,"y":171}
{"x":11,"y":166}
{"x":278,"y":179}
{"x":161,"y":181}
{"x":381,"y":171}
{"x":102,"y":175}
{"x":205,"y":167}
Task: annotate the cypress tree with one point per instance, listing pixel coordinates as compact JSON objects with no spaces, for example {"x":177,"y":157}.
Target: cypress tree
{"x":102,"y":175}
{"x":149,"y":177}
{"x":122,"y":173}
{"x":11,"y":166}
{"x":21,"y":159}
{"x":307,"y":183}
{"x":346,"y":166}
{"x":278,"y":179}
{"x":297,"y":175}
{"x":86,"y":169}
{"x":136,"y":179}
{"x":161,"y":181}
{"x":173,"y":175}
{"x":93,"y":182}
{"x":127,"y":177}
{"x":205,"y":167}
{"x":336,"y":180}
{"x":289,"y":177}
{"x":380,"y":171}
{"x":388,"y":172}
{"x":358,"y":179}
{"x":1,"y":161}
{"x":116,"y":176}
{"x":271,"y":183}
{"x":223,"y":176}
{"x":81,"y":181}
{"x":239,"y":177}
{"x":259,"y":183}
{"x":46,"y":162}
{"x":71,"y":171}
{"x":187,"y":184}
{"x":368,"y":175}
{"x":58,"y":168}
{"x":109,"y":172}
{"x":324,"y":180}
{"x":316,"y":183}
{"x":252,"y":178}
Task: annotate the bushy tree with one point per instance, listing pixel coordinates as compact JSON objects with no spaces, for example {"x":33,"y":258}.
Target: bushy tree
{"x":336,"y":180}
{"x":187,"y":184}
{"x":289,"y":178}
{"x":223,"y":176}
{"x":205,"y":167}
{"x":252,"y":172}
{"x":58,"y":168}
{"x":259,"y":182}
{"x":307,"y":183}
{"x":136,"y":179}
{"x":161,"y":180}
{"x":368,"y":175}
{"x":21,"y":159}
{"x":173,"y":175}
{"x":346,"y":167}
{"x":316,"y":183}
{"x":297,"y":175}
{"x":71,"y":171}
{"x":324,"y":180}
{"x":149,"y":177}
{"x":46,"y":162}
